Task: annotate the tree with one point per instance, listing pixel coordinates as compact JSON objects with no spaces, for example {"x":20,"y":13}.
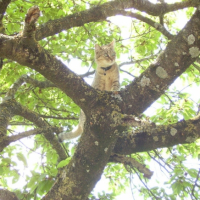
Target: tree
{"x":40,"y":96}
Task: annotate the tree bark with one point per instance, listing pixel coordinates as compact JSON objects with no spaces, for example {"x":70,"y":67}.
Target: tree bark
{"x":105,"y":110}
{"x":7,"y":195}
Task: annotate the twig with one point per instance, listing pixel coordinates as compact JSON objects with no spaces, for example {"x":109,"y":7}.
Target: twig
{"x":149,"y":21}
{"x":138,"y":61}
{"x":127,"y":73}
{"x":146,"y":186}
{"x":196,"y":66}
{"x":132,"y":163}
{"x":25,"y":78}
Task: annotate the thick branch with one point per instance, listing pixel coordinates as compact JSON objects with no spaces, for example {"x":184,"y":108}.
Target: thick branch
{"x":149,"y":138}
{"x":33,"y":56}
{"x":7,"y":195}
{"x":149,"y":86}
{"x":100,"y":134}
{"x":143,"y":91}
{"x":105,"y":10}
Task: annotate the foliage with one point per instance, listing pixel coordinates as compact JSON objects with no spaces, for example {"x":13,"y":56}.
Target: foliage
{"x":33,"y":164}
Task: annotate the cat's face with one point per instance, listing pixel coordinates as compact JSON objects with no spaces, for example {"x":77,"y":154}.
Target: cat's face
{"x":105,"y":55}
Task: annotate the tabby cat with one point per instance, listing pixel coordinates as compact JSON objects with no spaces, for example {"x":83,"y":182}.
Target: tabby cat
{"x":106,"y":78}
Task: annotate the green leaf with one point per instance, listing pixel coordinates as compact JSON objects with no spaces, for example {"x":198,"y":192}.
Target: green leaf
{"x":22,"y":158}
{"x":192,"y":172}
{"x":63,"y":162}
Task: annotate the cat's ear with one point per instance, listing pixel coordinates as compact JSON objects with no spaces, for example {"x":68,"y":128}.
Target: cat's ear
{"x":97,"y":47}
{"x":112,"y":43}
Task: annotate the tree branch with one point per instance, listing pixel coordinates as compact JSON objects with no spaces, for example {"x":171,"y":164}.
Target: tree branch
{"x":100,"y":134}
{"x":7,"y":195}
{"x":153,"y":82}
{"x":31,"y":17}
{"x":48,"y":131}
{"x":152,"y":23}
{"x":127,"y":73}
{"x":3,"y":6}
{"x":25,"y":78}
{"x":62,"y":118}
{"x":145,"y":185}
{"x":9,"y":139}
{"x":87,"y":74}
{"x":132,"y":163}
{"x":10,"y":108}
{"x":6,"y":113}
{"x":149,"y":138}
{"x":138,"y":61}
{"x":100,"y":13}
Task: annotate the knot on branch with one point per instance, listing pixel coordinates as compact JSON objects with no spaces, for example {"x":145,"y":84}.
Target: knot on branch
{"x":32,"y":15}
{"x":30,"y":19}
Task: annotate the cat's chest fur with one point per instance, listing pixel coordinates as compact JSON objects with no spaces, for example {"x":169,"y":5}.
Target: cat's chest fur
{"x":106,"y":78}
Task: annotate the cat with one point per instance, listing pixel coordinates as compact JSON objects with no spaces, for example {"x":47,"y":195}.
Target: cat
{"x":106,"y":78}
